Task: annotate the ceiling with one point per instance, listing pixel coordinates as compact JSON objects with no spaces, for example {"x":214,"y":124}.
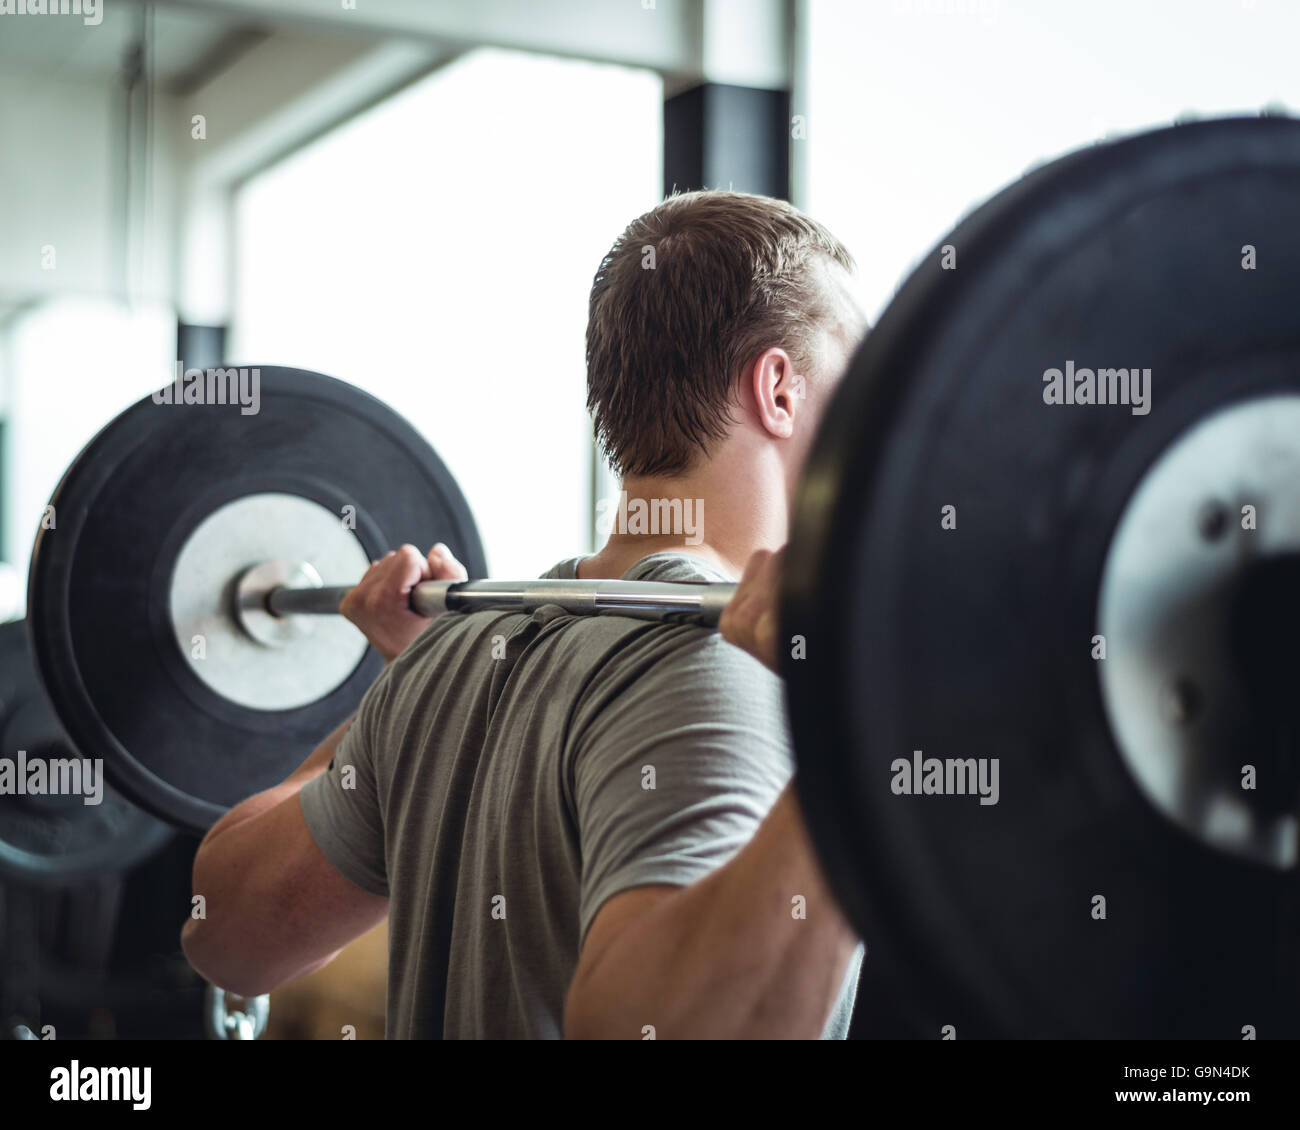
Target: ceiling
{"x":187,"y":45}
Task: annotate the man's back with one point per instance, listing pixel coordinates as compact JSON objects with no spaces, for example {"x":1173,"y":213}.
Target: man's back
{"x":510,"y":773}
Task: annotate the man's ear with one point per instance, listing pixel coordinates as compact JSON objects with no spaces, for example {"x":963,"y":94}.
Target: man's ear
{"x":777,"y":390}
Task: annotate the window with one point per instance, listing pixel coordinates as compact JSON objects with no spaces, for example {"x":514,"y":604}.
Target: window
{"x":919,"y":110}
{"x":438,"y":251}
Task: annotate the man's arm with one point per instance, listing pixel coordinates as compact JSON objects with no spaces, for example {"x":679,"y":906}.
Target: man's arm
{"x":276,"y":908}
{"x":724,"y":957}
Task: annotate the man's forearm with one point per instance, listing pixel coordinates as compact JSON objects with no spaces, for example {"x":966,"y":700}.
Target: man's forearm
{"x":728,"y":956}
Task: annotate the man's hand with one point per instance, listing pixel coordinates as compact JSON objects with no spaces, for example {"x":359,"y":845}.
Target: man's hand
{"x":381,"y":604}
{"x":751,"y":619}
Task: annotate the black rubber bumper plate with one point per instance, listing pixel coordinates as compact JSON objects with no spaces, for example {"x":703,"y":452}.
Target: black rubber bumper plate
{"x":100,"y":579}
{"x":973,"y":639}
{"x":49,"y":838}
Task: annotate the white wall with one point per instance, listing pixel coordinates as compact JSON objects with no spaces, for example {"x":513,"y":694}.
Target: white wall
{"x":438,"y":252}
{"x":61,"y":170}
{"x":73,"y":364}
{"x":918,"y":110}
{"x":94,"y":328}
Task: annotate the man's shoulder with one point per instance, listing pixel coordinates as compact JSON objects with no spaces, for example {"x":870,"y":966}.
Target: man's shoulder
{"x":676,"y":652}
{"x":633,"y":671}
{"x":676,"y":565}
{"x":675,"y":676}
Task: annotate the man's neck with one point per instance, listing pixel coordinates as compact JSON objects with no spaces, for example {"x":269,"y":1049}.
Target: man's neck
{"x":728,"y":513}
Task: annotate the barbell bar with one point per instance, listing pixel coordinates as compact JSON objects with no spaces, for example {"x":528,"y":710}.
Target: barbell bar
{"x":661,"y":601}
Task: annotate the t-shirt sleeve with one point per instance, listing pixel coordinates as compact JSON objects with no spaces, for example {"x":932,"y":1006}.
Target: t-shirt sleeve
{"x":341,"y":806}
{"x":676,"y":772}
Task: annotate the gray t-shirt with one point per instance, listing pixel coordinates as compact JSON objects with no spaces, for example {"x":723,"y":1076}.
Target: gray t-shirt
{"x":502,"y":793}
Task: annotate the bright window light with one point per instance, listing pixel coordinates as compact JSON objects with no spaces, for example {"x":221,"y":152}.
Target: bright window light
{"x":918,"y":110}
{"x":438,"y":252}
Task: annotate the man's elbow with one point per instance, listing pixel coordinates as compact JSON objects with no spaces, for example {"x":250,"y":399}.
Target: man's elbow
{"x":220,"y":964}
{"x":197,"y":953}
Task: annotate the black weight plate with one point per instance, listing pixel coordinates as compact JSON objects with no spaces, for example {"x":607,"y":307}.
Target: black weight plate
{"x":98,"y":590}
{"x":57,"y":840}
{"x":975,"y":642}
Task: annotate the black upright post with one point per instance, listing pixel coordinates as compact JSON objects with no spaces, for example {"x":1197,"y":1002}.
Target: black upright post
{"x":720,"y":136}
{"x":200,"y":347}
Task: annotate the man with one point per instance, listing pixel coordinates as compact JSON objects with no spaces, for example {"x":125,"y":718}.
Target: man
{"x":577,"y":826}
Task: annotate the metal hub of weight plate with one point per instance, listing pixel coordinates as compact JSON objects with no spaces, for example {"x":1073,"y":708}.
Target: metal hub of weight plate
{"x":57,"y":840}
{"x":155,"y":522}
{"x":1064,"y":896}
{"x":1181,"y":687}
{"x":309,"y":656}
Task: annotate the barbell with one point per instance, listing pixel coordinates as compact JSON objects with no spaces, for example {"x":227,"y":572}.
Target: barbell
{"x":260,"y":591}
{"x":1040,"y":600}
